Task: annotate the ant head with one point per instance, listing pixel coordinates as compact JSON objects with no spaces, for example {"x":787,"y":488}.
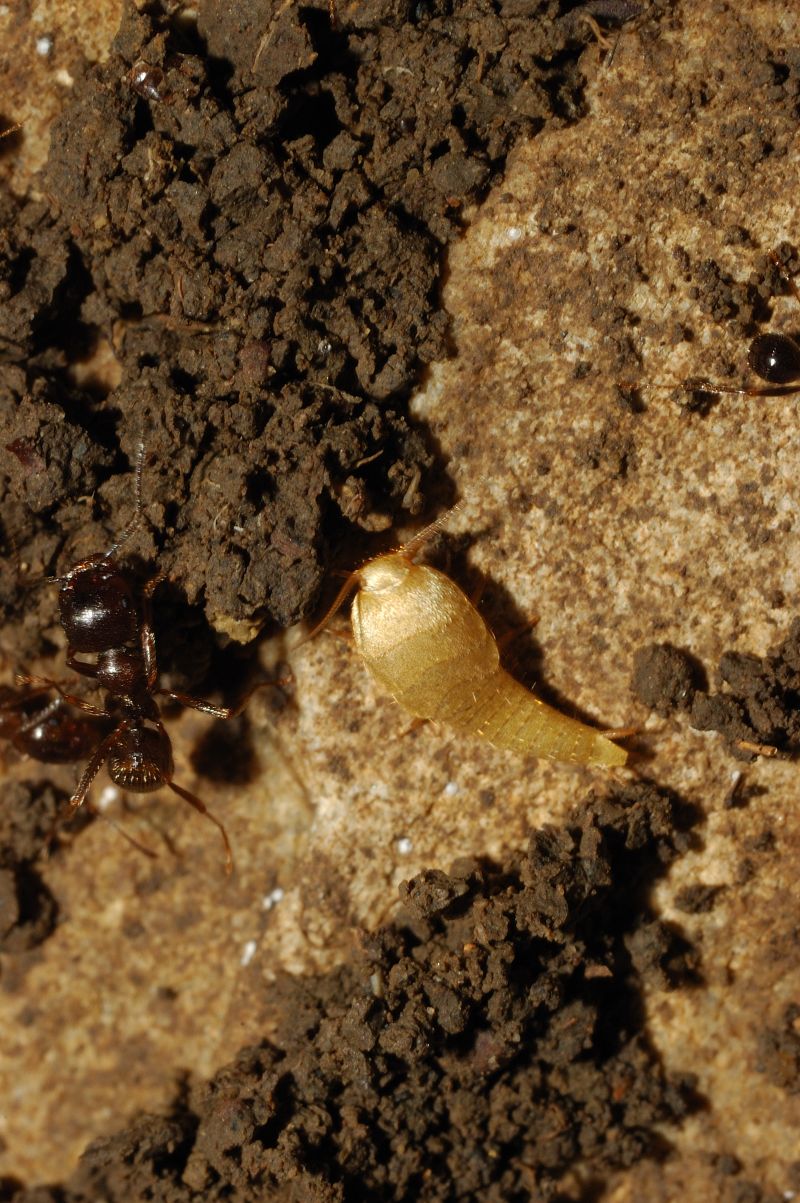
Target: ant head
{"x":98,"y":608}
{"x":141,"y":759}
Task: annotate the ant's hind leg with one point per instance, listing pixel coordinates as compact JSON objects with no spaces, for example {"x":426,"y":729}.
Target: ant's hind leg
{"x":88,"y":775}
{"x":202,"y":809}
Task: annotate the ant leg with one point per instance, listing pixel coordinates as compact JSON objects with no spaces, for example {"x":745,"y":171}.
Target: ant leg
{"x":81,"y":666}
{"x":788,"y":279}
{"x":94,"y":766}
{"x":709,"y":389}
{"x":148,"y":638}
{"x":43,"y":683}
{"x":120,"y":830}
{"x":720,"y":390}
{"x":219,"y":711}
{"x":202,"y":809}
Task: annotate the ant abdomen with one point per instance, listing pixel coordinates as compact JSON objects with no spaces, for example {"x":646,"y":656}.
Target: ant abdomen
{"x":775,"y":358}
{"x":48,"y":733}
{"x":141,"y":759}
{"x":98,"y":609}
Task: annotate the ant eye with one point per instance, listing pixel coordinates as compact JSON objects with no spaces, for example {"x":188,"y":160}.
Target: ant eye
{"x":775,"y":358}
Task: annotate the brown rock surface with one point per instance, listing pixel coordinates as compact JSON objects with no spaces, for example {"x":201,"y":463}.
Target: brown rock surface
{"x":628,"y":246}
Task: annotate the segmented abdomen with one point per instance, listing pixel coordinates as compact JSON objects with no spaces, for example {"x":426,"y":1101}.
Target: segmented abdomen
{"x":507,"y":715}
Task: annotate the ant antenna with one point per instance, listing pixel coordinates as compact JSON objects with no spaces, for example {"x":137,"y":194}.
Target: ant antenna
{"x":138,"y":514}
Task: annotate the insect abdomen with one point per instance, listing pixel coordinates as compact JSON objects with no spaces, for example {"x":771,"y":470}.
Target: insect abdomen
{"x":507,"y":715}
{"x":422,"y":640}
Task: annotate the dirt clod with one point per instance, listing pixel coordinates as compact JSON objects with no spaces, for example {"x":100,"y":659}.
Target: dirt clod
{"x":242,"y":228}
{"x":665,"y":678}
{"x":757,"y":707}
{"x":478,"y":1047}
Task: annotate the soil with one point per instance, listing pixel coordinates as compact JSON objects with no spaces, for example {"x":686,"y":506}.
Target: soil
{"x":477,"y":1047}
{"x":756,"y":706}
{"x":240,"y":231}
{"x":235,"y":253}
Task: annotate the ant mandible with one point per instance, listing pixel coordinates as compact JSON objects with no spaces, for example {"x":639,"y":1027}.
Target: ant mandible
{"x":102,"y":617}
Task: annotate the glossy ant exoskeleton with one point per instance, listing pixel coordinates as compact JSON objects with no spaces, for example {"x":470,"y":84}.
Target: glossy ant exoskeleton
{"x":47,"y":731}
{"x":102,"y":616}
{"x":775,"y":358}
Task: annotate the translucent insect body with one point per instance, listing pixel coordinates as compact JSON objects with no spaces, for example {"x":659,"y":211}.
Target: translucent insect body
{"x":422,"y":639}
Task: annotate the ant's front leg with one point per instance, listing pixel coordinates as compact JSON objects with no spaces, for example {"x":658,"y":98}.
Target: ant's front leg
{"x":225,"y":712}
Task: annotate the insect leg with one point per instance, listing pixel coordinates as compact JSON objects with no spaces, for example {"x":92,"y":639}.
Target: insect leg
{"x":43,"y":683}
{"x":219,"y":711}
{"x":148,"y":638}
{"x":93,"y":768}
{"x":202,"y":809}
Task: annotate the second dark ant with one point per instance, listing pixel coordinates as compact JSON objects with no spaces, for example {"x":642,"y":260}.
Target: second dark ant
{"x":47,"y":731}
{"x":104,"y":616}
{"x":774,"y":358}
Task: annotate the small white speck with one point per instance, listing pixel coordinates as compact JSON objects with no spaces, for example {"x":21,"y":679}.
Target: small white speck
{"x":736,"y":777}
{"x":789,"y":1195}
{"x":109,"y":796}
{"x":270,"y":900}
{"x":4,"y":10}
{"x":451,"y":789}
{"x":404,"y":845}
{"x":248,"y":952}
{"x":44,"y":46}
{"x":64,"y":78}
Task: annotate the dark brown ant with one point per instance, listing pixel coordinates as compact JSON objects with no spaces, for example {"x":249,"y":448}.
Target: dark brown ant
{"x":147,"y":81}
{"x":773,"y":357}
{"x":103,"y":617}
{"x":47,"y":730}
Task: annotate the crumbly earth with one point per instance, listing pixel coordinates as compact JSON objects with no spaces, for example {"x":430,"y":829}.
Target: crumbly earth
{"x":242,"y":224}
{"x":758,"y":706}
{"x":477,"y":1046}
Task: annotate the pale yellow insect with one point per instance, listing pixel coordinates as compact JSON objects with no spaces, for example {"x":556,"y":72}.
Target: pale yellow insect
{"x":422,"y":639}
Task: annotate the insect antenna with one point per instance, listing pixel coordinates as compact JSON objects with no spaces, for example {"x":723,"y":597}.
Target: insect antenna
{"x":347,"y":588}
{"x":138,"y":514}
{"x":428,"y":532}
